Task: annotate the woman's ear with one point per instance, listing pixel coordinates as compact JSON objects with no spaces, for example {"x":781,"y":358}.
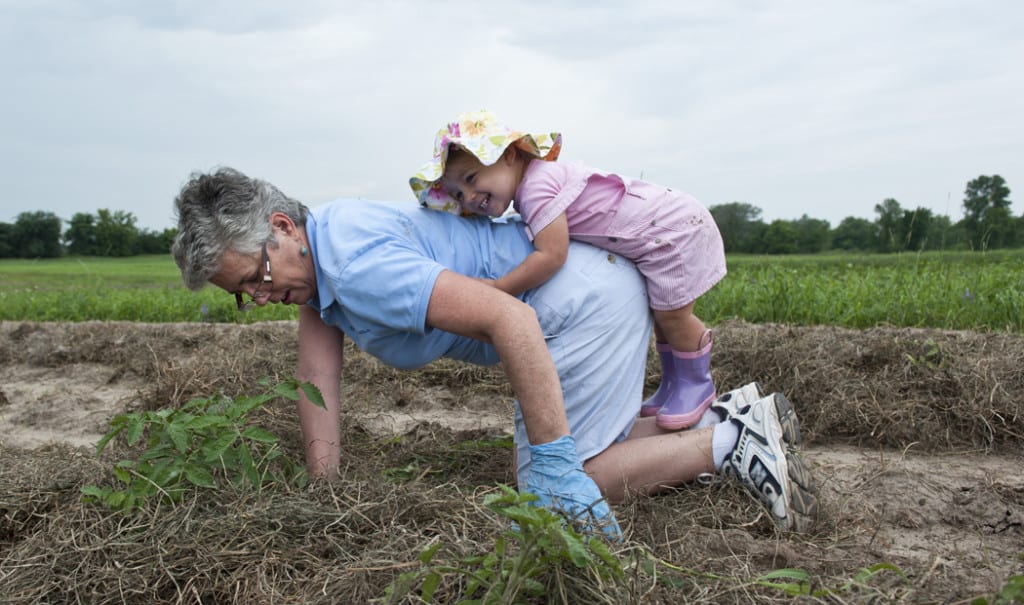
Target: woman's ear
{"x":279,"y":221}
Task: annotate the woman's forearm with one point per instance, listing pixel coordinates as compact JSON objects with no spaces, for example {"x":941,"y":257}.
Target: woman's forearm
{"x":465,"y":306}
{"x":532,"y":374}
{"x":320,"y":362}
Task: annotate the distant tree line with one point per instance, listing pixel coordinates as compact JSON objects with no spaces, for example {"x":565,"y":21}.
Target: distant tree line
{"x":41,"y":234}
{"x":987,"y":224}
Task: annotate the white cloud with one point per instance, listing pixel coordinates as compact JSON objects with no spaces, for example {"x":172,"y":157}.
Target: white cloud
{"x":794,"y":106}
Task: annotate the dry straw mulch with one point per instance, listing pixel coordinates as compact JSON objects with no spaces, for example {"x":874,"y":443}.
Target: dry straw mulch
{"x":344,"y":542}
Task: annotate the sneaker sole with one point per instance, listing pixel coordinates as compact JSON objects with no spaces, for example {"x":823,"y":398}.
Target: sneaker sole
{"x":787,"y":419}
{"x":803,"y":501}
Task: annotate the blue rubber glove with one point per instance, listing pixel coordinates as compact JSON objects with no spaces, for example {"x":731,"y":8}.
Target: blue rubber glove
{"x":557,"y":478}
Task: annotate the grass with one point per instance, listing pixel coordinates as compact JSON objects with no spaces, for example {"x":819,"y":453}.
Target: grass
{"x":946,"y":290}
{"x":140,"y":288}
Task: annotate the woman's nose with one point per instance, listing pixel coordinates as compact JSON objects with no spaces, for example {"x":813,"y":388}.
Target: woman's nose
{"x":259,"y":295}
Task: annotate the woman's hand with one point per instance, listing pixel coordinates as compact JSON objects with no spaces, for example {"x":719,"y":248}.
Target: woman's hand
{"x":558,"y":480}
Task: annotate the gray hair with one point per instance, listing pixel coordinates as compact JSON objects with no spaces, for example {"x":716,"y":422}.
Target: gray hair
{"x":222,"y":211}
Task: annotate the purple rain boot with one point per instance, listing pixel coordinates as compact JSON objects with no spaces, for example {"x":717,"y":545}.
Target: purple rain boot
{"x":651,"y":406}
{"x":694,"y":390}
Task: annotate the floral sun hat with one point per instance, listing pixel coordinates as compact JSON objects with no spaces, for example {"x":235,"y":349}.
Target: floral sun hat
{"x":479,"y":133}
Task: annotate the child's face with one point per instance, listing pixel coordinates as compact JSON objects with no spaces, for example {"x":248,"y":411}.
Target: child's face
{"x":479,"y":189}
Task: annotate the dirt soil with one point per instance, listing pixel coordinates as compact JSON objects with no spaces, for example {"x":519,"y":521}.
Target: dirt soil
{"x":915,"y":439}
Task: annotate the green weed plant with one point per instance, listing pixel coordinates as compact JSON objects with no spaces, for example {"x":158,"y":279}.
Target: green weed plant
{"x":206,"y":442}
{"x":523,"y":566}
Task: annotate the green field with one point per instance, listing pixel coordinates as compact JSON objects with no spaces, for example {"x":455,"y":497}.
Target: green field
{"x":136,"y":288}
{"x":949,"y":290}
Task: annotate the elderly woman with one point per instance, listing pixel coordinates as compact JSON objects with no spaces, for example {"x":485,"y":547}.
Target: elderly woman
{"x":399,"y":281}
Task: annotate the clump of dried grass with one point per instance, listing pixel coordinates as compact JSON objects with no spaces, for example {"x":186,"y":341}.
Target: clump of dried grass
{"x":885,"y":387}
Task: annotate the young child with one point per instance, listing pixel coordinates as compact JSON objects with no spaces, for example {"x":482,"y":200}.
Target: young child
{"x":482,"y":167}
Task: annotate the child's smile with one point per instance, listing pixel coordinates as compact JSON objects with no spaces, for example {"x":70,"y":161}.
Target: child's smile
{"x":480,"y":189}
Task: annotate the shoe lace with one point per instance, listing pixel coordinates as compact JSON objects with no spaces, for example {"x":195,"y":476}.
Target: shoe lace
{"x":708,"y":478}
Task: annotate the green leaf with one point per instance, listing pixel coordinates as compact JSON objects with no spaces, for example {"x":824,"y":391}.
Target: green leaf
{"x":248,"y":468}
{"x":206,"y":421}
{"x":313,"y":394}
{"x":800,"y":587}
{"x":115,"y":499}
{"x":256,"y":433}
{"x":575,"y":549}
{"x":102,"y":443}
{"x":215,"y":449}
{"x":533,"y":587}
{"x":243,"y":405}
{"x":93,"y":491}
{"x":287,"y":390}
{"x":430,"y":584}
{"x":427,"y":555}
{"x":198,"y":403}
{"x":199,"y":476}
{"x":168,"y":473}
{"x":179,"y":436}
{"x":134,"y":428}
{"x":787,"y":573}
{"x":524,"y":515}
{"x":122,"y":474}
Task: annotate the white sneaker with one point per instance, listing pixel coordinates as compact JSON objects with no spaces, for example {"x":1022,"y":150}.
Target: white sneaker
{"x":776,"y":475}
{"x":729,"y":404}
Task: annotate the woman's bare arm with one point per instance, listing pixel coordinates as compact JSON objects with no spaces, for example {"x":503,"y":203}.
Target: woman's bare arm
{"x":465,"y":306}
{"x":320,"y":362}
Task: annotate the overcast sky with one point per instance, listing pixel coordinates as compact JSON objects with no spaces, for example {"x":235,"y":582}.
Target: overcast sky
{"x":794,"y":106}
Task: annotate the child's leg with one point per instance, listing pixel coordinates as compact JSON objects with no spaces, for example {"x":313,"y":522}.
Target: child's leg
{"x":680,"y":328}
{"x":693,"y":391}
{"x":651,"y":406}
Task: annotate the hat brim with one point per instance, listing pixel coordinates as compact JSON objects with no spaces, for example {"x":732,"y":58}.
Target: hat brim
{"x":426,"y":183}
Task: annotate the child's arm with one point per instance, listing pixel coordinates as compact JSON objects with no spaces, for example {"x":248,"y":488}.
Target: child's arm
{"x":551,"y":246}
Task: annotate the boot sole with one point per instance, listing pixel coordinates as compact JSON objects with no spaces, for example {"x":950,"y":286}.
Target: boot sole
{"x":674,"y":422}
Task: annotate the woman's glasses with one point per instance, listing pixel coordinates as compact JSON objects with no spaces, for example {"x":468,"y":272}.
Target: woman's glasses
{"x":244,"y":305}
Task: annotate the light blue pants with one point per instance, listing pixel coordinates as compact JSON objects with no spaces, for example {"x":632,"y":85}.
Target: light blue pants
{"x":596,"y":321}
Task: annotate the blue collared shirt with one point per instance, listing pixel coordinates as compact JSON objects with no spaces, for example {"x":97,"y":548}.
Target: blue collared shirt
{"x":376,"y":265}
